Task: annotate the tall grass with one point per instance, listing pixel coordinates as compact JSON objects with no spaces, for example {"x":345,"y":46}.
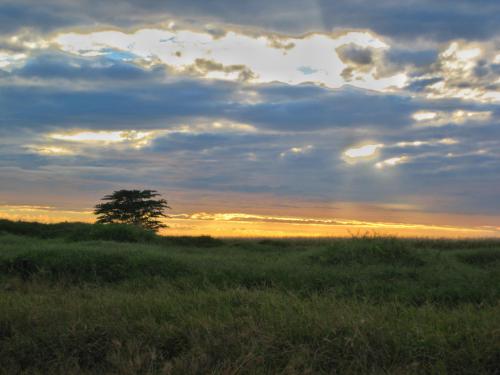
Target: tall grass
{"x":118,"y":302}
{"x":245,"y":331}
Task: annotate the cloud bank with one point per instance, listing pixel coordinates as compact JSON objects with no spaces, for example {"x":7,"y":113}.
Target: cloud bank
{"x":388,"y":103}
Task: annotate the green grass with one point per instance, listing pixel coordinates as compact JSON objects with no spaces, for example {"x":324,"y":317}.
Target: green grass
{"x":144,"y":304}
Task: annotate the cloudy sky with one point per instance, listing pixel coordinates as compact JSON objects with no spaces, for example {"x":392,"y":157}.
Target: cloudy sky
{"x":275,"y":117}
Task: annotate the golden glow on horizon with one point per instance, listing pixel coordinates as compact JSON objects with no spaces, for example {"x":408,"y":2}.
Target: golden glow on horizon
{"x":253,"y":225}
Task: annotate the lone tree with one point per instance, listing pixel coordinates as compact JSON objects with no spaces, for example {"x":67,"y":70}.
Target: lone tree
{"x":137,"y":207}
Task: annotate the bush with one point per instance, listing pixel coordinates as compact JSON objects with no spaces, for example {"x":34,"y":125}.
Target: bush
{"x":114,"y":232}
{"x":39,"y":230}
{"x":79,"y":231}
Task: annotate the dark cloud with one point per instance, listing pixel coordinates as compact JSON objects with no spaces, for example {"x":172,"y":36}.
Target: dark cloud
{"x":104,"y":93}
{"x":15,"y":15}
{"x":328,"y":109}
{"x":355,"y":54}
{"x":57,"y":92}
{"x":436,"y":20}
{"x":357,"y":59}
{"x":203,"y":66}
{"x":155,"y":105}
{"x":205,"y":141}
{"x":60,"y":66}
{"x":442,"y":20}
{"x":135,"y":106}
{"x":417,"y":58}
{"x":420,"y":84}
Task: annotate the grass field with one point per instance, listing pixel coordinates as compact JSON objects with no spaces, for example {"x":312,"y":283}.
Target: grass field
{"x":91,"y":299}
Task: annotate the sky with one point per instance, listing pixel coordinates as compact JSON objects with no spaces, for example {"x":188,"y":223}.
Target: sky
{"x":256,"y":118}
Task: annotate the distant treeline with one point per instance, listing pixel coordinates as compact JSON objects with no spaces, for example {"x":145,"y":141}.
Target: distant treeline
{"x":75,"y":231}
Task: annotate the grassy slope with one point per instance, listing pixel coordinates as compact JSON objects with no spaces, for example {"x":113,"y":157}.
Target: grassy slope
{"x":198,"y":306}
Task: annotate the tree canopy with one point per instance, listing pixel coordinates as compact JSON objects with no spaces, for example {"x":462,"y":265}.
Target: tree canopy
{"x":137,"y":207}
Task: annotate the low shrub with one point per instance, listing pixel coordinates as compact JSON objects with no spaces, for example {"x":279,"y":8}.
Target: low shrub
{"x":78,"y":231}
{"x":114,"y":232}
{"x":39,"y":230}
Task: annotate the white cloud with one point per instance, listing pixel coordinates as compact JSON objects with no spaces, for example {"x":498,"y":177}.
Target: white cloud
{"x":424,"y":116}
{"x":392,"y":162}
{"x":448,"y":141}
{"x":362,"y":152}
{"x":297,"y":151}
{"x":459,"y":117}
{"x":8,"y":60}
{"x":443,"y":141}
{"x":135,"y":138}
{"x":227,"y":126}
{"x":82,"y":142}
{"x":369,"y":152}
{"x":50,"y":150}
{"x":457,"y":72}
{"x":239,"y":56}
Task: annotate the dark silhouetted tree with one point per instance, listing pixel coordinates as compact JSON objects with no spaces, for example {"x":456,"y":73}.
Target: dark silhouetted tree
{"x":137,"y":207}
